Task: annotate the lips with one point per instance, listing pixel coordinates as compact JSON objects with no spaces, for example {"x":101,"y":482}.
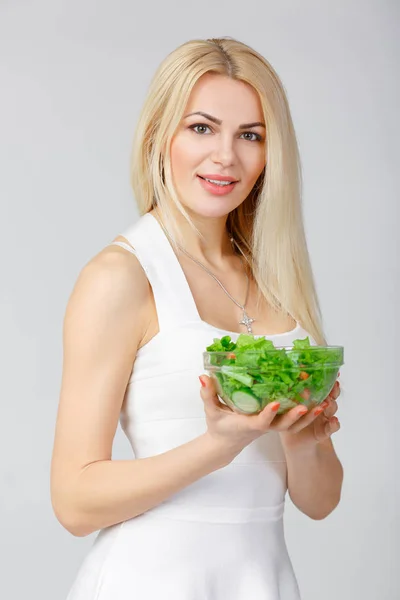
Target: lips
{"x":217,"y":189}
{"x":217,"y":177}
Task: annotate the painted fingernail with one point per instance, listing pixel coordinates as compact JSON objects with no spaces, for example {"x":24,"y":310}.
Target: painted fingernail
{"x":302,"y":411}
{"x":318,"y":411}
{"x":203,"y":383}
{"x":275,"y":407}
{"x":325,"y":404}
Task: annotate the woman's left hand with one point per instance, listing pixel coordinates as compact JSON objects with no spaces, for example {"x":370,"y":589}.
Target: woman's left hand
{"x":312,"y":428}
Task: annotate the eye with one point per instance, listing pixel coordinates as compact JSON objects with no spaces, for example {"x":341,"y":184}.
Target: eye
{"x":257,"y":138}
{"x":201,"y":125}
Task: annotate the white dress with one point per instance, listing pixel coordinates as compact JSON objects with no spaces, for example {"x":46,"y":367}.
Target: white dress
{"x":221,"y":538}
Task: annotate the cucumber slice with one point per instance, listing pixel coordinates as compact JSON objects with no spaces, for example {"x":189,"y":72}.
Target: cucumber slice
{"x":245,"y":401}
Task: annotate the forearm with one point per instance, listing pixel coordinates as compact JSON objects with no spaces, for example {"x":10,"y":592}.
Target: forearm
{"x":111,"y":491}
{"x":315,"y":477}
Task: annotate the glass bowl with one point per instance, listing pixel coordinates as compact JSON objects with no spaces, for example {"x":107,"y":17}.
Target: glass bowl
{"x":247,"y":381}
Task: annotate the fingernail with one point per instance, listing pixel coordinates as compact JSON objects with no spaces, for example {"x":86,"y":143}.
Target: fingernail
{"x":203,"y":383}
{"x":275,"y":407}
{"x":318,"y":411}
{"x":325,"y":404}
{"x":302,"y":411}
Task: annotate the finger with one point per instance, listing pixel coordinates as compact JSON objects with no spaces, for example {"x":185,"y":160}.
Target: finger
{"x":331,"y":409}
{"x":263,"y":420}
{"x":284,"y":422}
{"x":332,"y":426}
{"x":208,"y":390}
{"x":307,"y":418}
{"x":335,"y":391}
{"x":330,"y":400}
{"x":208,"y":393}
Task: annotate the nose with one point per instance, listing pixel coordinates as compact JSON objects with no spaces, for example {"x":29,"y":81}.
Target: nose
{"x":223,"y":151}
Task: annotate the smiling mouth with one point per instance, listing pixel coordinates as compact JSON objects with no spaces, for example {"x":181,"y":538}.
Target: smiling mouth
{"x":218,"y":182}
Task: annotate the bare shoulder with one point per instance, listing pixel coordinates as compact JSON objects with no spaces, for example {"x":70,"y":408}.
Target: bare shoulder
{"x":105,"y":319}
{"x":113,"y":287}
{"x":103,"y":324}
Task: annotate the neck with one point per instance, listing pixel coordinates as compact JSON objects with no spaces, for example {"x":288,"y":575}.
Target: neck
{"x":214,"y":248}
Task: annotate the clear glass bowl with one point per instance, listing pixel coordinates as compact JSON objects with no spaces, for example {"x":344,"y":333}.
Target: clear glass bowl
{"x":247,"y":381}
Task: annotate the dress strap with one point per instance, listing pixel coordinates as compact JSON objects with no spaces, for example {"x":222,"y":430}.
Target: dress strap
{"x":123,"y":245}
{"x":172,"y":295}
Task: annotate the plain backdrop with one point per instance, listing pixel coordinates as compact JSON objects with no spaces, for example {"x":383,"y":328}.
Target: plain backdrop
{"x":73,"y":77}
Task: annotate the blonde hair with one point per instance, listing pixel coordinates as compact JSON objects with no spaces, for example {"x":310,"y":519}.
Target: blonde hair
{"x":268,"y":224}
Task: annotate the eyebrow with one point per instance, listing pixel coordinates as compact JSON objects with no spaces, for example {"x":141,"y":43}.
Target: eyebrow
{"x":218,"y":121}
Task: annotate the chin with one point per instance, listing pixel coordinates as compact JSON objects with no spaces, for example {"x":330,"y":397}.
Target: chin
{"x":212,"y":207}
{"x":212,"y":211}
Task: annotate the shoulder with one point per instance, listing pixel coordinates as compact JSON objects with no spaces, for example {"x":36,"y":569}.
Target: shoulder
{"x":113,"y":287}
{"x":118,"y":269}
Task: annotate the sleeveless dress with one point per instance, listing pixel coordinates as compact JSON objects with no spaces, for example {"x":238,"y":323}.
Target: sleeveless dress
{"x":222,"y":537}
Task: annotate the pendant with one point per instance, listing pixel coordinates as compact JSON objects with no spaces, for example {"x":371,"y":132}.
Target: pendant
{"x":247,"y":321}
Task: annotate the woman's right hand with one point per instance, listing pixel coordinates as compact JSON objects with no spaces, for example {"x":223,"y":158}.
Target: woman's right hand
{"x":233,"y":430}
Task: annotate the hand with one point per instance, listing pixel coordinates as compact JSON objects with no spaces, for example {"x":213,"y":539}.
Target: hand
{"x":312,"y":429}
{"x":235,"y":430}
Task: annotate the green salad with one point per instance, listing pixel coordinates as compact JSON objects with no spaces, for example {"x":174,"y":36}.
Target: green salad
{"x":252,"y":372}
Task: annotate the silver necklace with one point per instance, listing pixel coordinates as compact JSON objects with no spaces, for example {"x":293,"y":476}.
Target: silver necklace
{"x":246,"y":320}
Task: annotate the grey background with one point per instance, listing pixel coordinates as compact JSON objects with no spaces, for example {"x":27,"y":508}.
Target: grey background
{"x":73,"y":78}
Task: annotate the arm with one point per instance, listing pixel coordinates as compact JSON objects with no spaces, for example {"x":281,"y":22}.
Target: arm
{"x":315,"y":477}
{"x":104,"y":323}
{"x":110,"y":491}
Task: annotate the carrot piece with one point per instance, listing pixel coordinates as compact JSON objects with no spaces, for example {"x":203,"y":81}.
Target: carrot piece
{"x":303,"y":375}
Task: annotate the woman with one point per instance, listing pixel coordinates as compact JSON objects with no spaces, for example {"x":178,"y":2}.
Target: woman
{"x":219,"y":249}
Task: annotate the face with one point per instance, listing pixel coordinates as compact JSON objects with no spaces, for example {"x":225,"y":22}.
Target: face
{"x":227,"y":140}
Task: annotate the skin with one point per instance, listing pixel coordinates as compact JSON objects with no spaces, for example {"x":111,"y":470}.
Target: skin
{"x":212,"y":148}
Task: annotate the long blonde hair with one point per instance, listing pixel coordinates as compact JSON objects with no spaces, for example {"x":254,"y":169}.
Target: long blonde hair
{"x":268,"y":224}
